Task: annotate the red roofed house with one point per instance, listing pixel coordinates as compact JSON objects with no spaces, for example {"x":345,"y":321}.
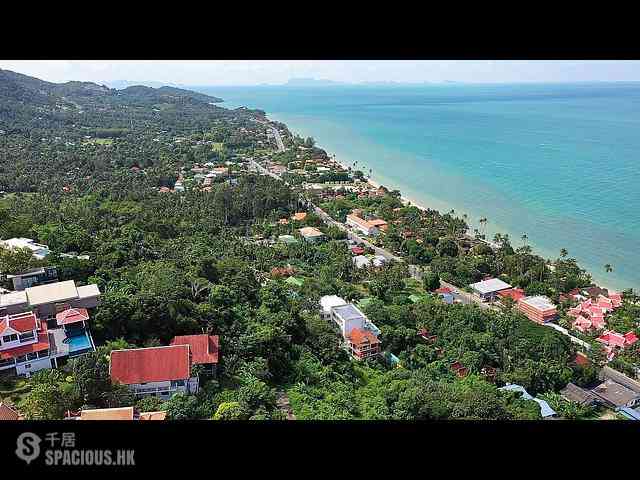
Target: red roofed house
{"x":614,"y":341}
{"x":160,"y":371}
{"x":204,"y":350}
{"x":357,"y":250}
{"x":9,"y":413}
{"x":514,"y":293}
{"x":363,"y":343}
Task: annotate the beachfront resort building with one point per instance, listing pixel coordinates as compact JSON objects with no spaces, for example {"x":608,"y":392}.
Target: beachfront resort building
{"x":538,"y":309}
{"x":159,"y":371}
{"x":488,"y":289}
{"x":38,"y":250}
{"x":359,"y":333}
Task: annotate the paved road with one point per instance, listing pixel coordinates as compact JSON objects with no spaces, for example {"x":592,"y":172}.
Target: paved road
{"x":279,"y":142}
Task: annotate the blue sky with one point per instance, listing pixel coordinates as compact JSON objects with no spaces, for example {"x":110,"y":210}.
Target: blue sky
{"x":243,"y":72}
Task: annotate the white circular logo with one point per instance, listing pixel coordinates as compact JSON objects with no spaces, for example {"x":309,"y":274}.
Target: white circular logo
{"x":28,"y":447}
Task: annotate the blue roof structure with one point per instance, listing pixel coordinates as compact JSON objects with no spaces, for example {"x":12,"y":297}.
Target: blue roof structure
{"x":545,"y":408}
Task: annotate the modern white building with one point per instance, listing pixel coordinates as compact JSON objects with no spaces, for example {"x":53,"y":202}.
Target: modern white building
{"x":488,"y":289}
{"x":327,"y":303}
{"x":38,"y":250}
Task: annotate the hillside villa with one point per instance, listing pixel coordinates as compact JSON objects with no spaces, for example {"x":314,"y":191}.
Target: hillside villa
{"x":359,"y":334}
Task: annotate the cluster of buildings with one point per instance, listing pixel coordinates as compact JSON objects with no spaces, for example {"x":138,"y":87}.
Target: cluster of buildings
{"x":42,"y":326}
{"x":359,"y":333}
{"x":536,"y":308}
{"x":614,"y":390}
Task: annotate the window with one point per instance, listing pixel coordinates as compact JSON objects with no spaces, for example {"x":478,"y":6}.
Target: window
{"x":21,"y":359}
{"x":10,"y":338}
{"x":27,"y":336}
{"x":32,"y":356}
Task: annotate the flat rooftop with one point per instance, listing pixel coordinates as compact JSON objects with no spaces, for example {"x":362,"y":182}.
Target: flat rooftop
{"x":539,"y":302}
{"x":490,"y":286}
{"x":348,"y":312}
{"x":52,"y":292}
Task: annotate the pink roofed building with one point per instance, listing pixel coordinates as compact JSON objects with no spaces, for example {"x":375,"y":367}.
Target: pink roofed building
{"x":614,"y":341}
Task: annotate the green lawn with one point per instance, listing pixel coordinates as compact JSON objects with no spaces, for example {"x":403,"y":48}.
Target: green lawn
{"x":217,"y":146}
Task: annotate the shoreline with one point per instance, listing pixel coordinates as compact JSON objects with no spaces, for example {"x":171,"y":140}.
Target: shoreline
{"x":406,"y":200}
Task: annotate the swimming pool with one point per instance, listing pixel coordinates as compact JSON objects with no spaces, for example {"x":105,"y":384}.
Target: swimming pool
{"x":79,"y":343}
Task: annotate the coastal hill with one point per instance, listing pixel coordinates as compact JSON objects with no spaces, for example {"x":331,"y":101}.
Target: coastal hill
{"x":25,"y":89}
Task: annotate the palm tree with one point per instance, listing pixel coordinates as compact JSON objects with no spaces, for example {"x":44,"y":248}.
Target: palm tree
{"x":608,"y":268}
{"x":564,"y":252}
{"x":483,"y":224}
{"x":524,"y":238}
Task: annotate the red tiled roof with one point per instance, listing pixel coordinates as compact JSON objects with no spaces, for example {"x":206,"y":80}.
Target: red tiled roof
{"x":515,"y":293}
{"x":357,"y":250}
{"x":204,"y":348}
{"x":72,"y":315}
{"x":40,"y":345}
{"x":630,"y":338}
{"x":443,"y":290}
{"x":581,"y":359}
{"x":155,"y":364}
{"x":359,"y":336}
{"x":21,"y":322}
{"x":612,"y":339}
{"x":8,"y":413}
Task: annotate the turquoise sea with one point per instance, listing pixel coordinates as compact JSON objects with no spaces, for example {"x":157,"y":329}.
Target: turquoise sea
{"x":558,"y":162}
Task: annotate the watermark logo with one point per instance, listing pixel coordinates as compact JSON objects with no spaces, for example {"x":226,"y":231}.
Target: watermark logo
{"x":62,"y":451}
{"x":28,"y":447}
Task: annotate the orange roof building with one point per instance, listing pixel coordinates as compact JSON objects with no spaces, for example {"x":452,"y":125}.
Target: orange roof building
{"x":363,"y":343}
{"x":203,"y":348}
{"x":299,"y":216}
{"x":160,"y":371}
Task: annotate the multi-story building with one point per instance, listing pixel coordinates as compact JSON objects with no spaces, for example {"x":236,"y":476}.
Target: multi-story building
{"x":28,"y":344}
{"x":159,"y":371}
{"x":538,"y":309}
{"x":359,"y":334}
{"x":50,"y":299}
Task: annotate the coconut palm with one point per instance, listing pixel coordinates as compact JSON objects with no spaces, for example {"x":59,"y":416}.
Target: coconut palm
{"x":608,"y":268}
{"x":564,"y":253}
{"x":524,"y":238}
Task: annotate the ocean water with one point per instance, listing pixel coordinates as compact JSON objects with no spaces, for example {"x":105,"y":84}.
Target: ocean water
{"x":559,"y":162}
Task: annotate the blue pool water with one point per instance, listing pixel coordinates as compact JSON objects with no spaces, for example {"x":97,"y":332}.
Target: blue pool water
{"x":558,"y":162}
{"x":78,"y":343}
